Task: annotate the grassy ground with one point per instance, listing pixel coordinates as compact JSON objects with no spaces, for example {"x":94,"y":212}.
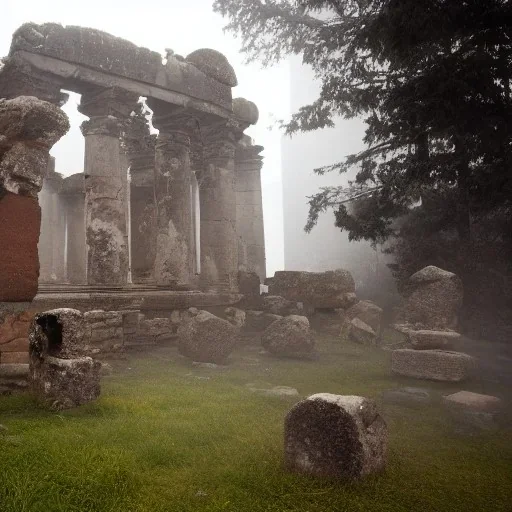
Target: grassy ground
{"x":166,"y":436}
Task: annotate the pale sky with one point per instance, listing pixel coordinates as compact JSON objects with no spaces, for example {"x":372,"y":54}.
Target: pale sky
{"x":183,"y":26}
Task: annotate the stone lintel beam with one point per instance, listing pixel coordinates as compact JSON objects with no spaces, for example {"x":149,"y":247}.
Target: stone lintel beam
{"x":79,"y":77}
{"x":18,"y":80}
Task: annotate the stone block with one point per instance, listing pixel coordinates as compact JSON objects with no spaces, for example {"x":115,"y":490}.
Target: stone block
{"x":14,"y":358}
{"x":290,"y":336}
{"x":58,"y":333}
{"x":335,"y":436}
{"x":64,"y":383}
{"x":367,"y":312}
{"x":362,"y":333}
{"x":332,"y":289}
{"x":473,"y":401}
{"x":16,"y":345}
{"x":19,"y":259}
{"x":428,"y":340}
{"x":432,"y":364}
{"x":235,"y":317}
{"x":207,"y":338}
{"x":434,"y":298}
{"x":257,"y":321}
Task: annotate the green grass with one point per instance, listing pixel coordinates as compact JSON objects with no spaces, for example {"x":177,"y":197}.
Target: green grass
{"x":162,"y":439}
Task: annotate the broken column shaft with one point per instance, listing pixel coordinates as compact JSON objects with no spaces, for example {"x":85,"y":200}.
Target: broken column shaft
{"x":174,"y":262}
{"x":105,"y":212}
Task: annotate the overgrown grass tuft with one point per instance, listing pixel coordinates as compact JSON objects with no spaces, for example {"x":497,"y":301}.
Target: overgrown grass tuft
{"x":166,"y":436}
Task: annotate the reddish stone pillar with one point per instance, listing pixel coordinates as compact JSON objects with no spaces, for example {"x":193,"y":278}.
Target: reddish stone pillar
{"x":29,"y":128}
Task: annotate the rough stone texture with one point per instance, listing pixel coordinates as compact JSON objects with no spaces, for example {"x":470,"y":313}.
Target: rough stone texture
{"x":432,"y":364}
{"x":368,"y":312}
{"x":58,"y":333}
{"x":14,"y":375}
{"x":473,"y":401}
{"x":19,"y":263}
{"x":29,"y":128}
{"x":157,"y":330}
{"x":329,"y":321}
{"x":174,"y":262}
{"x":335,"y":436}
{"x":427,"y":340}
{"x":248,"y":284}
{"x":14,"y":332}
{"x":257,"y":321}
{"x":235,"y":317}
{"x":245,"y":110}
{"x":213,"y":63}
{"x":219,"y":243}
{"x":90,"y":54}
{"x":362,"y":333}
{"x":433,"y":299}
{"x":206,"y":338}
{"x":331,"y":289}
{"x":279,"y":305}
{"x":249,"y":208}
{"x":61,"y":376}
{"x":105,"y":212}
{"x":65,"y":383}
{"x":290,"y":336}
{"x":104,"y":331}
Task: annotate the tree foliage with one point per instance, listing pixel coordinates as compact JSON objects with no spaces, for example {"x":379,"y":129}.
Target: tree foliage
{"x":431,"y":79}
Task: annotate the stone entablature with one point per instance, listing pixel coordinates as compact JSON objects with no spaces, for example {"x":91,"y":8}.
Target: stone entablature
{"x":77,"y":57}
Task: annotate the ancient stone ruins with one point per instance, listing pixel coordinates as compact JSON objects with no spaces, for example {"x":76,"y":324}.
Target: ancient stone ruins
{"x":160,"y":241}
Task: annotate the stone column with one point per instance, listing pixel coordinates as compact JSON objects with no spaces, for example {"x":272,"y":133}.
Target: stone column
{"x":143,"y":217}
{"x":73,"y":196}
{"x":29,"y":128}
{"x":105,"y":211}
{"x":174,"y":264}
{"x":219,"y":246}
{"x":139,"y":147}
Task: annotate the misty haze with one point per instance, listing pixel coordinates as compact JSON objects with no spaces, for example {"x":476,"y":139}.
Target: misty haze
{"x":256,"y":256}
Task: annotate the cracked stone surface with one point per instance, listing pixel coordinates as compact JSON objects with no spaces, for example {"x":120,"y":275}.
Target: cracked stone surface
{"x":335,"y":436}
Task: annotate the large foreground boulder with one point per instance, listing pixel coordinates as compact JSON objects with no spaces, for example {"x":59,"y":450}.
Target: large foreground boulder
{"x":290,"y":336}
{"x":433,"y":301}
{"x":439,"y":365}
{"x":335,"y":436}
{"x":206,"y":338}
{"x":331,"y":289}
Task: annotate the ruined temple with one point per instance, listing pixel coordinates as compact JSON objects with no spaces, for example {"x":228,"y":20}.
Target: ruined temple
{"x":154,"y":222}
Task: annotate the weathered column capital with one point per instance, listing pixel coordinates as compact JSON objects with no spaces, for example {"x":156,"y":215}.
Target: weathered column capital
{"x":108,"y":110}
{"x":29,"y":128}
{"x":101,"y":125}
{"x":221,"y":138}
{"x":248,"y":155}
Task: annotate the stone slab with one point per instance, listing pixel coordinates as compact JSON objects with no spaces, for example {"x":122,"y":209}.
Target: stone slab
{"x":473,"y":401}
{"x":432,"y":364}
